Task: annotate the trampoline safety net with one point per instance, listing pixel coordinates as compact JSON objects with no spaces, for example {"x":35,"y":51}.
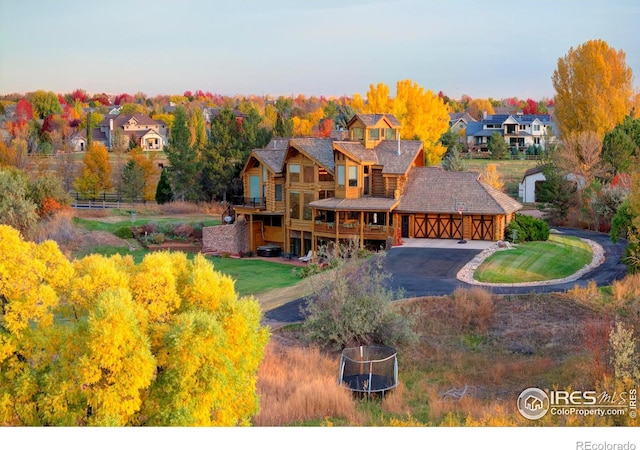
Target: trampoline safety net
{"x":369,"y":369}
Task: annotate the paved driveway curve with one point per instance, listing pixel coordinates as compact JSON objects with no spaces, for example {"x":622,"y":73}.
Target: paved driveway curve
{"x":421,"y":271}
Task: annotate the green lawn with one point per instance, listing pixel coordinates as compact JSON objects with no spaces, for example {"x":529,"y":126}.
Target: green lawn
{"x":558,"y":257}
{"x":252,"y":276}
{"x":112,"y":226}
{"x":511,"y":171}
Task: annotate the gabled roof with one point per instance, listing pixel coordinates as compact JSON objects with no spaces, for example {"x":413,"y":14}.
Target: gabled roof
{"x":396,"y":157}
{"x":272,"y":158}
{"x":356,"y":151}
{"x":464,"y":116}
{"x":272,"y":155}
{"x":318,"y":149}
{"x":371,"y":120}
{"x":435,"y":190}
{"x":119,"y":120}
{"x":534,"y":170}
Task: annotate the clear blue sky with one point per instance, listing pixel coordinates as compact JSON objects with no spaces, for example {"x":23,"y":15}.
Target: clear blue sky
{"x":482,"y":48}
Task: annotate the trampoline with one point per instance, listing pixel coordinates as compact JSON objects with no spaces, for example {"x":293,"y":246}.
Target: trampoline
{"x":369,"y":369}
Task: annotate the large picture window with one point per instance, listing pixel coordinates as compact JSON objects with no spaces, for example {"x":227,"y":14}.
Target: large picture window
{"x":306,"y":212}
{"x":353,"y":176}
{"x":294,"y":204}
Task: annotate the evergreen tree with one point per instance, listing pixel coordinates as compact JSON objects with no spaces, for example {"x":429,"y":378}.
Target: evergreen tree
{"x":163,"y":190}
{"x":89,"y":134}
{"x":223,"y":157}
{"x":133,"y":181}
{"x":183,"y":158}
{"x":497,"y":146}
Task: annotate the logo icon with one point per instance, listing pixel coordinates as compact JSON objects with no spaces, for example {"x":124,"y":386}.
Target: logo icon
{"x":533,"y":403}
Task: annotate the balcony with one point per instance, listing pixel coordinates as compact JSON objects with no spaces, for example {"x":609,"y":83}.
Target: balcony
{"x":370,"y":231}
{"x":253,"y":202}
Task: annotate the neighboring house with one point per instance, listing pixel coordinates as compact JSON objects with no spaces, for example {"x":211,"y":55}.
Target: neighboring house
{"x":527,"y":187}
{"x":305,"y":192}
{"x":210,"y":113}
{"x":458,"y":122}
{"x":149,"y":134}
{"x":519,"y":131}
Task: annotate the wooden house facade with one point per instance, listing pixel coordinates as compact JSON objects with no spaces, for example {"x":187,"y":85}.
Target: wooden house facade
{"x":373,"y":187}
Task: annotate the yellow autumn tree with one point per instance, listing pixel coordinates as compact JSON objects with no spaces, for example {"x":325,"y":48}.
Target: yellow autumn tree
{"x":149,"y":171}
{"x":593,"y":87}
{"x":422,"y":115}
{"x":96,"y":173}
{"x":477,"y":107}
{"x":102,"y":341}
{"x":378,"y":100}
{"x":491,"y":176}
{"x":301,"y":127}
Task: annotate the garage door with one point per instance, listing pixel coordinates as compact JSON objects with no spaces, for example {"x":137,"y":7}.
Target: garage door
{"x":482,"y":228}
{"x":437,"y":226}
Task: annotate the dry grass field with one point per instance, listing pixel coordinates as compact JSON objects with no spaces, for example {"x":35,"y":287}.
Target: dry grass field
{"x":476,"y":353}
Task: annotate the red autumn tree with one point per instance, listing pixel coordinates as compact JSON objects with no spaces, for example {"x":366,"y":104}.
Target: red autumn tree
{"x":79,"y":95}
{"x":24,"y":111}
{"x":325,"y":128}
{"x":122,"y":99}
{"x":531,"y":107}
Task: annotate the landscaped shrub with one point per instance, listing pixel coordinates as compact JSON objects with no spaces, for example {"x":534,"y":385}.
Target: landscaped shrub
{"x":183,"y":230}
{"x":351,"y":306}
{"x":124,"y":233}
{"x":148,"y":228}
{"x":528,"y":229}
{"x":157,"y":238}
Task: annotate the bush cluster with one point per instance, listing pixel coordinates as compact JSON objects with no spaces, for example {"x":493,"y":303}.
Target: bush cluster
{"x":528,"y":229}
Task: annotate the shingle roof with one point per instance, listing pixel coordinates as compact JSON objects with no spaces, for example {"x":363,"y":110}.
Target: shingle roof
{"x":387,"y":154}
{"x":273,"y":158}
{"x":120,"y":120}
{"x":321,"y":150}
{"x":356,"y":151}
{"x":533,"y":170}
{"x":356,"y":204}
{"x":434,"y":190}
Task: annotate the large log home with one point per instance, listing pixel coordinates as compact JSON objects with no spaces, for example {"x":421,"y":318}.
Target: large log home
{"x":303,"y":192}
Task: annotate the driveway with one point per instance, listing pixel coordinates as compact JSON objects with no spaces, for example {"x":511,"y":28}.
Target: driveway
{"x":425,"y":267}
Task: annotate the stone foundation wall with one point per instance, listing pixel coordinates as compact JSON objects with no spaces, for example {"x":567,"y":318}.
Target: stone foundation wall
{"x":230,"y":239}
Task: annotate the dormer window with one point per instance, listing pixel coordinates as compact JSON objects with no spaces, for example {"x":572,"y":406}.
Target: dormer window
{"x":358,"y":134}
{"x":374,"y":134}
{"x":390,"y":134}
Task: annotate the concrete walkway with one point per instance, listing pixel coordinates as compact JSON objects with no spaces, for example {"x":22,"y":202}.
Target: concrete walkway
{"x":451,"y":244}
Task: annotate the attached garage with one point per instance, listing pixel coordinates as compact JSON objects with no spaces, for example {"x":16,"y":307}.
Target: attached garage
{"x":431,"y":200}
